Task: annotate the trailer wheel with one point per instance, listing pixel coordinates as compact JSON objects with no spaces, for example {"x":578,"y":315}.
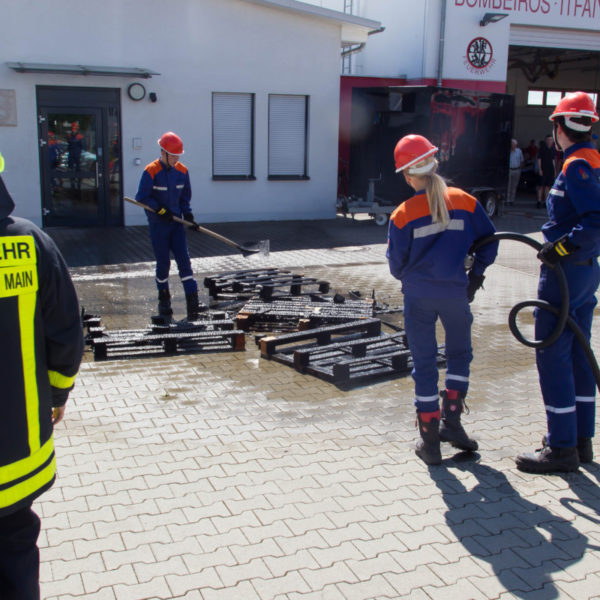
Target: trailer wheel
{"x":489,"y":203}
{"x":381,"y":219}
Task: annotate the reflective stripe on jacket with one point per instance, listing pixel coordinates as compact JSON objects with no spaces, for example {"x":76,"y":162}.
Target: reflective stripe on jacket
{"x":427,"y":257}
{"x":574,"y":202}
{"x":170,"y":188}
{"x":42,"y":346}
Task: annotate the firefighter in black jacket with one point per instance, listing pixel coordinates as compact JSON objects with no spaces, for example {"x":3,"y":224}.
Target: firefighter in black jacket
{"x":40,"y":353}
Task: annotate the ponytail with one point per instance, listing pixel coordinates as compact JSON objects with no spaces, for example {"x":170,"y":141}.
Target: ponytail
{"x":435,"y":189}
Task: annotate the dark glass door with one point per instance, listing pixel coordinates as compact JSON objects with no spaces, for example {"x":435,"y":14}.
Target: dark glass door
{"x":75,"y":173}
{"x":80,"y":147}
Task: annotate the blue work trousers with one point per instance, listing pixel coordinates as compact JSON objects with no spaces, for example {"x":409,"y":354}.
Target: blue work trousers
{"x":566,"y":378}
{"x":166,"y":238}
{"x":420,"y":317}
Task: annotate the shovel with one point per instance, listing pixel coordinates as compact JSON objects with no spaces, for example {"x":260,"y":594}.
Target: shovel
{"x":246,"y":249}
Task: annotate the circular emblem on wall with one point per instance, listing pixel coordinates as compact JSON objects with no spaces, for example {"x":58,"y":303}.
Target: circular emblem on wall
{"x":479,"y":53}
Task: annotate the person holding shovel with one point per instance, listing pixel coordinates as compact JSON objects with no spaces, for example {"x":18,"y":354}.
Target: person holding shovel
{"x":165,"y":188}
{"x":428,"y":241}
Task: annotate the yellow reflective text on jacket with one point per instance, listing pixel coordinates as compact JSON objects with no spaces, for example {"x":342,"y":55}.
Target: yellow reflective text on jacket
{"x":18,"y":268}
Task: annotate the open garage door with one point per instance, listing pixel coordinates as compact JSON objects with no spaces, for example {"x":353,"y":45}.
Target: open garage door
{"x":543,"y":65}
{"x":539,"y":77}
{"x":551,"y":37}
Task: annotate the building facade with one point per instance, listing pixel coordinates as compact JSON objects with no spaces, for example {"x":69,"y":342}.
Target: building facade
{"x":251,"y":86}
{"x":536,"y":50}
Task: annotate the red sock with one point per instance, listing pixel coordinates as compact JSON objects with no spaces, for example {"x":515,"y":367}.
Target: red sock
{"x":427,"y":416}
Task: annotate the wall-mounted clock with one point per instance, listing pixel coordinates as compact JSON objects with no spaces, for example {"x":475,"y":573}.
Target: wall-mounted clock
{"x":136,"y":91}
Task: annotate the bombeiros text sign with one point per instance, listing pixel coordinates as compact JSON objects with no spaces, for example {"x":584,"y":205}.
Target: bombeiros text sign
{"x":551,"y":13}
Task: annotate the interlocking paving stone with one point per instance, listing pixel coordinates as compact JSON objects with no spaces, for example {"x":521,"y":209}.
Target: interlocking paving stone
{"x":227,"y":476}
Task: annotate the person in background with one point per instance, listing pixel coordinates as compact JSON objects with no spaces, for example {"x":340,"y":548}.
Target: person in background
{"x":42,"y":346}
{"x":75,"y":147}
{"x":54,"y":155}
{"x":429,"y":238}
{"x":531,"y":151}
{"x":545,"y":164}
{"x":515,"y":163}
{"x":572,"y":238}
{"x":165,"y":187}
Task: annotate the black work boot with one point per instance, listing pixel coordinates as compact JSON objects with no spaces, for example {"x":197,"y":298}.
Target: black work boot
{"x":164,"y":303}
{"x":451,"y":429}
{"x":194,"y":307}
{"x":585,"y":450}
{"x":549,"y":460}
{"x":428,"y":447}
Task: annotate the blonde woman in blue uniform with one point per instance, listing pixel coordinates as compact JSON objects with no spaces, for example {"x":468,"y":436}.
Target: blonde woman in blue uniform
{"x":429,"y":237}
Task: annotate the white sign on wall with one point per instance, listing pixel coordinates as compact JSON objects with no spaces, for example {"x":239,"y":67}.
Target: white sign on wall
{"x":8,"y":107}
{"x":578,"y":14}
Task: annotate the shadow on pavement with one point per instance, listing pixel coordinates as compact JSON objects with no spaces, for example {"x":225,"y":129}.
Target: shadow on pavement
{"x":523,"y":542}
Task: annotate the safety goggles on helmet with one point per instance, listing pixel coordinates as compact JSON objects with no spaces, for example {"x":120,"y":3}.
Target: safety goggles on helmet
{"x":578,"y":104}
{"x":171,"y":143}
{"x":411,"y":150}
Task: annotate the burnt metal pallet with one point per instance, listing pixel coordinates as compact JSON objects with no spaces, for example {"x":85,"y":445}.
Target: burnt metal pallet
{"x":262,"y":282}
{"x":161,"y":340}
{"x":300,"y":312}
{"x":344,"y":354}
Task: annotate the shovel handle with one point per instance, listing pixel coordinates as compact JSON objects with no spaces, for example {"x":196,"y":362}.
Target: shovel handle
{"x":196,"y":227}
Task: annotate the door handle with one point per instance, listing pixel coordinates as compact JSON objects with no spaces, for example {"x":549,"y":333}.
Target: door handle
{"x":96,"y":173}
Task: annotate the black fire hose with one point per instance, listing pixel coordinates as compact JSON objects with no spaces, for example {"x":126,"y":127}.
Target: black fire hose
{"x":562,"y":312}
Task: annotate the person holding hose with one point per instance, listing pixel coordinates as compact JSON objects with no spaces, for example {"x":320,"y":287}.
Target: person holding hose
{"x":429,"y":238}
{"x":572,"y":238}
{"x":165,"y":187}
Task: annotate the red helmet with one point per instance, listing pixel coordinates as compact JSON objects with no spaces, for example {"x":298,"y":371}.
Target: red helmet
{"x":412,"y":149}
{"x":171,"y":143}
{"x":577,"y":104}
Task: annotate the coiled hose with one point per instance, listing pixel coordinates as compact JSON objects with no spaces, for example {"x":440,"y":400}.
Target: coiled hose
{"x":562,"y":313}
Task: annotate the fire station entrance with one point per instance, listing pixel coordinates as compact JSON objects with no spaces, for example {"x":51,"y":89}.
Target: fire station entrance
{"x":79,"y":132}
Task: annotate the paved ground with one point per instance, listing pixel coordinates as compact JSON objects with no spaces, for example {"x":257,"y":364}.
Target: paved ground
{"x":228,"y":476}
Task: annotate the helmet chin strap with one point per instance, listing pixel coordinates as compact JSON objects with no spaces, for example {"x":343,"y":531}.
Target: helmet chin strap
{"x":554,"y":136}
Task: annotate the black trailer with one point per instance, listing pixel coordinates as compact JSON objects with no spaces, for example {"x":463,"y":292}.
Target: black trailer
{"x":471,"y":129}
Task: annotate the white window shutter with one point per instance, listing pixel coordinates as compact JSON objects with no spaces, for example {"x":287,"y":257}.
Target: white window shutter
{"x":232,"y":134}
{"x":287,"y":135}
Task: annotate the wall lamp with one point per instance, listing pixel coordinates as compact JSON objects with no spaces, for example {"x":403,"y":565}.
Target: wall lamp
{"x":492,"y":18}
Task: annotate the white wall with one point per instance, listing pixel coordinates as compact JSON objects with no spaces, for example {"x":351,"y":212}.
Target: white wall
{"x":410,"y":44}
{"x":400,"y":50}
{"x":198,"y":46}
